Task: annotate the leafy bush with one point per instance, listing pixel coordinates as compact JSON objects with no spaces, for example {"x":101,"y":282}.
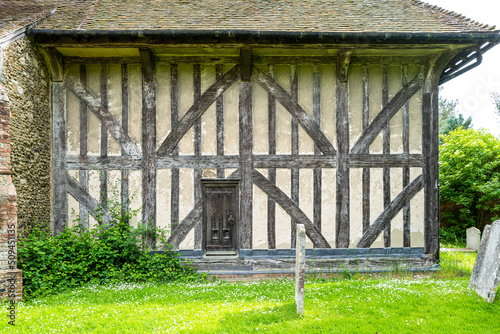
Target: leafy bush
{"x":469,"y":174}
{"x":105,"y":254}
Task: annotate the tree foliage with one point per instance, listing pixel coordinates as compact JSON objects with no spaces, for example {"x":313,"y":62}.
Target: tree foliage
{"x":447,"y":109}
{"x":469,"y":179}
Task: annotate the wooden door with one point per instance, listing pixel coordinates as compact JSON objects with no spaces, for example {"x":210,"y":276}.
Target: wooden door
{"x":220,"y":215}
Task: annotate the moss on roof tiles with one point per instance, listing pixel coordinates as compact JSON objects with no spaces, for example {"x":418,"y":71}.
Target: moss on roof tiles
{"x":402,"y":16}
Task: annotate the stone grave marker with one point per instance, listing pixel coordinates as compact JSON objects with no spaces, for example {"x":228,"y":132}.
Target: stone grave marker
{"x":300,"y":268}
{"x":473,"y":238}
{"x":485,"y":275}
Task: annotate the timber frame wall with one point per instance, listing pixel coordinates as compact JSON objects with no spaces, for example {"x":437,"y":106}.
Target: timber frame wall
{"x":419,"y":76}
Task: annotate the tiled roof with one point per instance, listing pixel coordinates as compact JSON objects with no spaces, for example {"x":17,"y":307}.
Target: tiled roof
{"x":17,"y":14}
{"x":385,"y":16}
{"x":329,"y":16}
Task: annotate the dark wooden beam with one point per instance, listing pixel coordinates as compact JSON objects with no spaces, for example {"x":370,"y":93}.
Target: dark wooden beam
{"x":342,"y":221}
{"x":291,"y":208}
{"x":219,"y":115}
{"x":294,"y":140}
{"x":59,"y":183}
{"x":124,"y":193}
{"x":103,"y":173}
{"x":271,"y":205}
{"x":197,"y":109}
{"x":84,"y":173}
{"x":390,"y":211}
{"x":343,"y":62}
{"x":246,"y":165}
{"x":148,"y":145}
{"x":174,"y":121}
{"x":84,"y":198}
{"x":366,"y":121}
{"x":317,"y":172}
{"x":386,"y":149}
{"x":295,"y":109}
{"x":103,"y":114}
{"x":259,"y":161}
{"x":245,"y":65}
{"x":385,"y":115}
{"x":197,"y":152}
{"x":54,"y":62}
{"x":406,"y":170}
{"x":180,"y":231}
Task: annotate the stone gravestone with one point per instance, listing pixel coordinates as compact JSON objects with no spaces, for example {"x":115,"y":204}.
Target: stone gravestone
{"x":485,"y":275}
{"x":473,"y":238}
{"x":300,"y":268}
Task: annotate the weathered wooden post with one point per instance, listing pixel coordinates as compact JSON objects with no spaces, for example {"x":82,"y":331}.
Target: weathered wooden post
{"x":300,"y":268}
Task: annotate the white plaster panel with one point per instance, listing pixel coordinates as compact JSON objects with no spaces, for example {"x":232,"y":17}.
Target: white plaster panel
{"x":135,"y":104}
{"x":376,"y":201}
{"x":93,"y":123}
{"x":114,"y":104}
{"x":356,"y":206}
{"x":73,"y":204}
{"x":396,"y":123}
{"x":283,"y":221}
{"x":283,"y":117}
{"x":163,"y":198}
{"x":259,"y":216}
{"x":209,"y":118}
{"x":375,"y":77}
{"x":328,"y":102}
{"x":305,"y":99}
{"x":186,"y":203}
{"x":186,"y":99}
{"x":355,"y":104}
{"x":72,"y":117}
{"x":328,"y":204}
{"x":397,"y":222}
{"x":260,"y":120}
{"x":417,"y":213}
{"x":306,"y":196}
{"x":135,"y":192}
{"x":415,"y":115}
{"x":231,"y":118}
{"x":163,"y":106}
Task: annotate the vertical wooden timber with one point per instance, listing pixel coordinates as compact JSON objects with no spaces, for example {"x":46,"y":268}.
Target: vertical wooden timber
{"x":386,"y":149}
{"x":148,"y":144}
{"x":406,"y":170}
{"x":103,"y":188}
{"x":59,"y":156}
{"x":174,"y":120}
{"x":124,"y":173}
{"x":430,"y":150}
{"x":219,"y":112}
{"x":197,"y":152}
{"x":366,"y":171}
{"x":294,"y":87}
{"x":271,"y":204}
{"x":84,"y":173}
{"x":342,"y":228}
{"x":246,"y":164}
{"x":317,"y":172}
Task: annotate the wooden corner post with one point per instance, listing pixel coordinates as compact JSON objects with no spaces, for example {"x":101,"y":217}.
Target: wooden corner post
{"x":246,"y":146}
{"x":430,"y":149}
{"x":342,"y":229}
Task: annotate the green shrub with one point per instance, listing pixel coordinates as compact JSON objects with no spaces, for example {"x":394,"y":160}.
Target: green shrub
{"x":105,"y":254}
{"x":469,"y":174}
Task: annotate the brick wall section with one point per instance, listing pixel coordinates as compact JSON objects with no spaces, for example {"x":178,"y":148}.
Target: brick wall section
{"x":10,"y":276}
{"x":28,"y":86}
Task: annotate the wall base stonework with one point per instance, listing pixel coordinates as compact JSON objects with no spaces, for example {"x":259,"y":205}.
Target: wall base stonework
{"x":11,"y":279}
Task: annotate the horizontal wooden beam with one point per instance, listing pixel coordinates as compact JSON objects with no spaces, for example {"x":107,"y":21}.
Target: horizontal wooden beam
{"x":197,"y":109}
{"x":385,"y":115}
{"x":291,"y":208}
{"x":180,"y":231}
{"x":390,"y":211}
{"x":82,"y":196}
{"x":295,"y":109}
{"x":232,"y":161}
{"x":104,"y":115}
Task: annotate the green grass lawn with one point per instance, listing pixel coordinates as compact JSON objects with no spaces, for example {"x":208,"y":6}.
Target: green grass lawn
{"x":433,"y":303}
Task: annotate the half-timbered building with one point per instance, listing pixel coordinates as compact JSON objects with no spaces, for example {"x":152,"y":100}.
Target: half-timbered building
{"x":229,"y":122}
